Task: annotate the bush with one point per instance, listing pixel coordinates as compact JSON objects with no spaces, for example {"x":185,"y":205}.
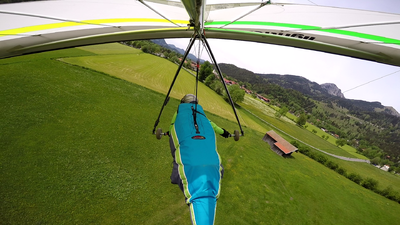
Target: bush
{"x":304,"y":150}
{"x":389,"y":193}
{"x":321,"y":159}
{"x":312,"y":155}
{"x":341,"y":171}
{"x":370,"y":184}
{"x":295,"y":144}
{"x":355,"y":178}
{"x":331,"y":165}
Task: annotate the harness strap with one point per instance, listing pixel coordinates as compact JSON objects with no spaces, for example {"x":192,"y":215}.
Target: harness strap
{"x":195,"y":120}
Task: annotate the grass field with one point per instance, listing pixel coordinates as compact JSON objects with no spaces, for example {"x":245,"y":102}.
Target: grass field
{"x":158,"y":78}
{"x":77,"y":148}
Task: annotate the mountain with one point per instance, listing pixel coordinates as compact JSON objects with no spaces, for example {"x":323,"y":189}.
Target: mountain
{"x":164,"y":44}
{"x":370,"y":127}
{"x":332,"y":89}
{"x":298,"y":83}
{"x":325,"y":92}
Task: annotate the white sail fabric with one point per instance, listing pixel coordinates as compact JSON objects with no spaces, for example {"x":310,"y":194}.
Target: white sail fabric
{"x":45,"y":25}
{"x":357,"y":33}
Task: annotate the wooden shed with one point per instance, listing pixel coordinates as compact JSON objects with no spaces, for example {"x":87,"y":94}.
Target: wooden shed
{"x":279,"y":144}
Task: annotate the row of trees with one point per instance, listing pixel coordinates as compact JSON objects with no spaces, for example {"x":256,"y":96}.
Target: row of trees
{"x":207,"y":76}
{"x":155,"y":49}
{"x":367,"y":183}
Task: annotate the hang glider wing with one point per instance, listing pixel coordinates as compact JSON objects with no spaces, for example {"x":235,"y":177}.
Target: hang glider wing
{"x":362,"y":34}
{"x":46,"y":25}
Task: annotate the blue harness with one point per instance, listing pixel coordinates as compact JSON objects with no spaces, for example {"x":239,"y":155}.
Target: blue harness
{"x":198,"y":161}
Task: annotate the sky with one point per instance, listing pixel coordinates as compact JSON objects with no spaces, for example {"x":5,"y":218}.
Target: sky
{"x":357,"y":79}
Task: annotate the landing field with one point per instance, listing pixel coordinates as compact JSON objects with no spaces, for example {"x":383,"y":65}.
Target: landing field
{"x":76,"y":148}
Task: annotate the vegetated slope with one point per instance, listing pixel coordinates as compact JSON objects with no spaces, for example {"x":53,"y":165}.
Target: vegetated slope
{"x":301,"y":84}
{"x":364,"y":124}
{"x":78,"y":148}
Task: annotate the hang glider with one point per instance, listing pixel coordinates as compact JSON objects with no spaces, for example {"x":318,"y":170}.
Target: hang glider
{"x":37,"y":26}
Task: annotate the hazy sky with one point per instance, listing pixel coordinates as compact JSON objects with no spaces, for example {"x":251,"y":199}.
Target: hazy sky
{"x":352,"y":76}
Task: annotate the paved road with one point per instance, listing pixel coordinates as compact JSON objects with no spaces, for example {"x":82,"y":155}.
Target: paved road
{"x":336,"y":156}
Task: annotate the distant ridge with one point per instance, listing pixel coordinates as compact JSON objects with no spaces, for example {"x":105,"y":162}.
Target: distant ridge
{"x":309,"y":88}
{"x":164,"y":44}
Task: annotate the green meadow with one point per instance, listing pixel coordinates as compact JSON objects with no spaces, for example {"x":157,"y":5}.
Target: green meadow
{"x":76,"y":148}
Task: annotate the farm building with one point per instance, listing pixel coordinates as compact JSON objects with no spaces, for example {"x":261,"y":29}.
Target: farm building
{"x":278,"y":144}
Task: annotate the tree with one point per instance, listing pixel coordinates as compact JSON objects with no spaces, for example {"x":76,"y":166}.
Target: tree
{"x":209,"y":80}
{"x":145,"y":48}
{"x":218,"y":87}
{"x":314,"y":131}
{"x":301,"y":120}
{"x":157,"y":48}
{"x":281,"y":112}
{"x":174,"y":59}
{"x":375,"y":160}
{"x":205,"y":70}
{"x":237,"y":94}
{"x":340,"y":142}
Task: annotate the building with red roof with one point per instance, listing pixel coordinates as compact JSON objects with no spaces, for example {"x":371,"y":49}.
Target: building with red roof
{"x":279,"y":144}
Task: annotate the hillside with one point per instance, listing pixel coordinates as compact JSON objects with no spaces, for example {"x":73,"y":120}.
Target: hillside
{"x":164,"y":44}
{"x":78,"y":149}
{"x":303,"y":85}
{"x":365,"y":124}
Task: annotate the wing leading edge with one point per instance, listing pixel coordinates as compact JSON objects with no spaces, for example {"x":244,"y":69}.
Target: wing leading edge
{"x":47,"y":25}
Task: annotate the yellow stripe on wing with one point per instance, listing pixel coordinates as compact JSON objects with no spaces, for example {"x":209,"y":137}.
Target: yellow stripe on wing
{"x":101,"y":22}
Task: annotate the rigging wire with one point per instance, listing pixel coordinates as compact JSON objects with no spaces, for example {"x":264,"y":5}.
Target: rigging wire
{"x":312,"y":2}
{"x":215,"y":69}
{"x":262,"y":4}
{"x":192,"y":40}
{"x":206,"y":44}
{"x":371,"y":81}
{"x":148,"y":6}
